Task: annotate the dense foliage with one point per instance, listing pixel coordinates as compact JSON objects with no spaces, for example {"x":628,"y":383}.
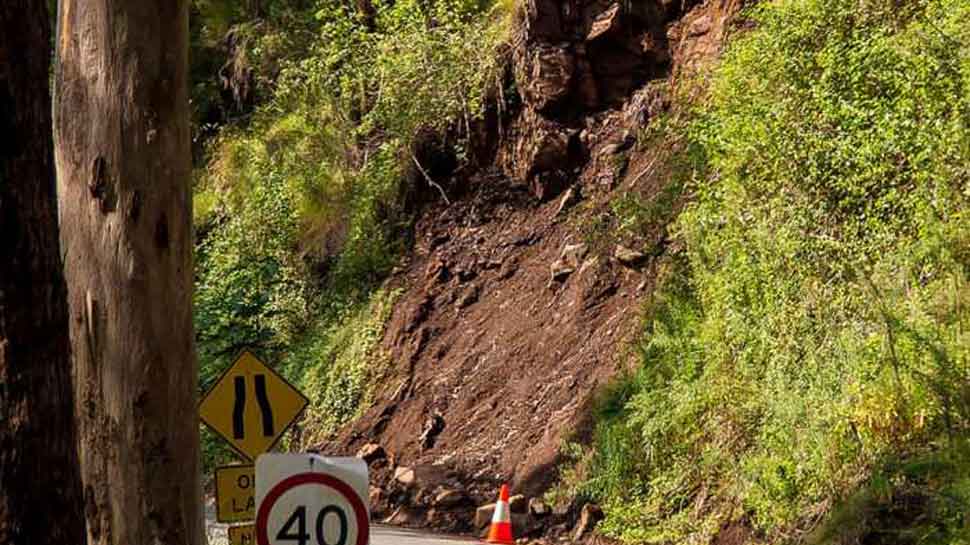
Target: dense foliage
{"x":300,"y":208}
{"x":807,"y":358}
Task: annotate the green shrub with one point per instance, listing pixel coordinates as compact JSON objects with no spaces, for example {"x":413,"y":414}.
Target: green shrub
{"x":818,"y":338}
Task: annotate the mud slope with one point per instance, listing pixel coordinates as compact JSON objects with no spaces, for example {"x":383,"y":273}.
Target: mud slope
{"x":515,"y":306}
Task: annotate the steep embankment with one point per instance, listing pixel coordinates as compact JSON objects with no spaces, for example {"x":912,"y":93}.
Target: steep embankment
{"x":521,"y":295}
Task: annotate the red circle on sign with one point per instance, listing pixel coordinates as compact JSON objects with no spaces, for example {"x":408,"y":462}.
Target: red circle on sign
{"x":360,"y":511}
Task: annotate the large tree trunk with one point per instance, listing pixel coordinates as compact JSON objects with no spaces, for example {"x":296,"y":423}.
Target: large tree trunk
{"x":123,"y":161}
{"x":40,"y":487}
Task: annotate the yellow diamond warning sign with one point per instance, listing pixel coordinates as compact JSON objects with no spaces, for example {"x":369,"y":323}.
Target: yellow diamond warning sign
{"x":235,"y":493}
{"x":251,"y":406}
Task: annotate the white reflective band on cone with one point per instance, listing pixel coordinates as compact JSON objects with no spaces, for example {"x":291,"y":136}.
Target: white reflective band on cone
{"x":501,"y":512}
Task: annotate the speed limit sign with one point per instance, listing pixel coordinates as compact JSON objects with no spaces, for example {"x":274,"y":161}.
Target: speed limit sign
{"x":306,"y":499}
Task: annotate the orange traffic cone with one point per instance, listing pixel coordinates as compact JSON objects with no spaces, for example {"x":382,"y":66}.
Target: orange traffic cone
{"x":501,"y":529}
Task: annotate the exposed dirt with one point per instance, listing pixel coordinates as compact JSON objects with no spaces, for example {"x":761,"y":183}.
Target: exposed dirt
{"x":515,"y":310}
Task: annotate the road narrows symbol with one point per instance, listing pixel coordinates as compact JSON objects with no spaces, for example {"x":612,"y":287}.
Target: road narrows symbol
{"x":239,"y":407}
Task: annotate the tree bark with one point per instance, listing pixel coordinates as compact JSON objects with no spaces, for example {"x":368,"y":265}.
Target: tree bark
{"x":122,"y":148}
{"x":40,"y":487}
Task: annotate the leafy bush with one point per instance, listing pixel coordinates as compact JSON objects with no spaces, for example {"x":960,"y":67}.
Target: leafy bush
{"x":816,"y":339}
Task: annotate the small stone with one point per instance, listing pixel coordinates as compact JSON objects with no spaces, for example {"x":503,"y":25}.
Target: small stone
{"x":375,"y":495}
{"x":573,"y":254}
{"x":589,"y":516}
{"x":628,"y":256}
{"x":468,"y":298}
{"x":568,"y":199}
{"x":371,"y":452}
{"x":433,"y":426}
{"x":538,"y":508}
{"x":560,"y":270}
{"x":404,"y":475}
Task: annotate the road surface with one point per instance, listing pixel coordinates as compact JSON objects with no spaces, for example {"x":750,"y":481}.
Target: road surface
{"x":383,"y":535}
{"x":380,"y":535}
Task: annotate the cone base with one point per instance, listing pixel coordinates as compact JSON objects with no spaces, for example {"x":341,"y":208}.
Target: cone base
{"x":500,"y":534}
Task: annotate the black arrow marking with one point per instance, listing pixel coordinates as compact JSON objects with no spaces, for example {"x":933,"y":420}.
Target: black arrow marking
{"x":264,"y":406}
{"x":238,"y":429}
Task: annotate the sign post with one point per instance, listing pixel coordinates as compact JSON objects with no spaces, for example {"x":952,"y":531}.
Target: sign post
{"x":307,"y":499}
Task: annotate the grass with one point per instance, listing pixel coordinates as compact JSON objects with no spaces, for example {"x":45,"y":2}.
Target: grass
{"x":805,"y":358}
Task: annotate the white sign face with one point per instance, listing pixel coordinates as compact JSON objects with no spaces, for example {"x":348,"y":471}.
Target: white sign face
{"x":306,"y":499}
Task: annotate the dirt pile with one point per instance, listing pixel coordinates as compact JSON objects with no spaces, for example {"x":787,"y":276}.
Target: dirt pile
{"x":515,"y":307}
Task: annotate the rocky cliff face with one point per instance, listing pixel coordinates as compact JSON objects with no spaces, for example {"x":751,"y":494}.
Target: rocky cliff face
{"x":516,"y":308}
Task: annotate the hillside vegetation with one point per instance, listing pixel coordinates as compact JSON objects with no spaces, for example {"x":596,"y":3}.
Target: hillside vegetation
{"x":804,"y":369}
{"x":802,"y":374}
{"x":302,"y":205}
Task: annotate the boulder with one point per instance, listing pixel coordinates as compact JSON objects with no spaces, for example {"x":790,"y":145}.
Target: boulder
{"x":518,"y":504}
{"x":544,"y":74}
{"x":449,"y":498}
{"x":538,"y":154}
{"x":589,"y":517}
{"x":604,"y":23}
{"x":405,"y":516}
{"x":483,"y":515}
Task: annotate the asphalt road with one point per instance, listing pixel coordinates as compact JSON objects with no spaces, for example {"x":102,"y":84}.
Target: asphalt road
{"x":383,"y":535}
{"x":380,"y":535}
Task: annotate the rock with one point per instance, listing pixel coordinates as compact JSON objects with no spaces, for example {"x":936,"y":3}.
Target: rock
{"x":371,"y":452}
{"x":404,"y":516}
{"x":508,"y":270}
{"x":465,"y":275}
{"x":604,"y":23}
{"x":433,"y":426}
{"x":569,"y":260}
{"x":522,"y":524}
{"x":404,"y":475}
{"x":560,"y":270}
{"x":628,"y":256}
{"x":449,"y":498}
{"x":589,"y":517}
{"x":539,"y":155}
{"x":483,"y":515}
{"x":569,"y":198}
{"x":573,"y":254}
{"x":538,"y":508}
{"x":468,"y":298}
{"x":544,"y":74}
{"x":517,"y":504}
{"x":374,"y":496}
{"x":437,"y":271}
